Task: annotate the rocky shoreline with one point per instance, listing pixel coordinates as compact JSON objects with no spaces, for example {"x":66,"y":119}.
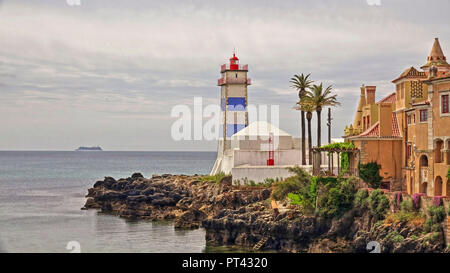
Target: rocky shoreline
{"x":187,"y":200}
{"x":243,"y":216}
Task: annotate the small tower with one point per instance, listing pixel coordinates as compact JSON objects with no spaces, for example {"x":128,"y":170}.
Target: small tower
{"x":436,"y":58}
{"x":233,"y":98}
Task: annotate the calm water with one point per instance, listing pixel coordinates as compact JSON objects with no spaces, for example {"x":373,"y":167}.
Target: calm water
{"x":41,"y":194}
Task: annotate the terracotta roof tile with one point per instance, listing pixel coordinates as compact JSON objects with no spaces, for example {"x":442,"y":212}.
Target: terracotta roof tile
{"x":374,"y":130}
{"x":390,"y":99}
{"x":395,"y":129}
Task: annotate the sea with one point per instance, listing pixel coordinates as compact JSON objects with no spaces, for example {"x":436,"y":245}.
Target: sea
{"x":42,"y":192}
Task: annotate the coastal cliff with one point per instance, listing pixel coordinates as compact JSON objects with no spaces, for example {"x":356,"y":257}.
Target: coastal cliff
{"x":243,"y":216}
{"x":185,"y":199}
{"x":294,"y":232}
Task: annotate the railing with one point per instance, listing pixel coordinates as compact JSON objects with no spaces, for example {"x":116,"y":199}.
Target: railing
{"x":227,"y":67}
{"x":222,"y":81}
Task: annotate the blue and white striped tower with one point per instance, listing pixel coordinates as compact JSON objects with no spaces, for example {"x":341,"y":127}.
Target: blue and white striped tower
{"x":234,"y":116}
{"x":233,"y":94}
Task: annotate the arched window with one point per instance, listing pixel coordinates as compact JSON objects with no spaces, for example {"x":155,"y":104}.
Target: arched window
{"x":423,"y":161}
{"x":438,"y":186}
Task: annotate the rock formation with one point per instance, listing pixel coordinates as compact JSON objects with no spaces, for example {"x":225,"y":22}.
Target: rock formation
{"x":243,"y":216}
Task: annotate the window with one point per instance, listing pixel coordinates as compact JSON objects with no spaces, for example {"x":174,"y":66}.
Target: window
{"x":444,"y":107}
{"x":409,"y":119}
{"x":414,"y":118}
{"x":408,"y":151}
{"x":423,"y":115}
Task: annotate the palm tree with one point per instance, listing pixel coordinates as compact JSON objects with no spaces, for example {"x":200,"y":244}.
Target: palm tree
{"x":302,"y":83}
{"x":307,"y":107}
{"x":320,"y":98}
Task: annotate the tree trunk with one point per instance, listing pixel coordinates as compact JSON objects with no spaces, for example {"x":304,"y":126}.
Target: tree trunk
{"x":319,"y":132}
{"x":303,"y":138}
{"x":309,"y":140}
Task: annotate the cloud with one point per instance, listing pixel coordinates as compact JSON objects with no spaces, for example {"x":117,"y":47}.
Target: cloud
{"x":120,"y":63}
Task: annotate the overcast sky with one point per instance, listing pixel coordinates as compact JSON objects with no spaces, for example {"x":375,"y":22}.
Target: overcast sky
{"x":108,"y":72}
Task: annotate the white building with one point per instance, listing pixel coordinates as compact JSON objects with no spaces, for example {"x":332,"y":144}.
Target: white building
{"x":243,"y":150}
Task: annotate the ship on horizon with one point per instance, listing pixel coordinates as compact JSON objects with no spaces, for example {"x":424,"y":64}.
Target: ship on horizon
{"x":94,"y":148}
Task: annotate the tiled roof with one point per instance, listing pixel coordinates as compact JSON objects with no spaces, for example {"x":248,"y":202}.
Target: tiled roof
{"x":395,"y":129}
{"x":374,"y":130}
{"x":390,"y":99}
{"x":411,"y":73}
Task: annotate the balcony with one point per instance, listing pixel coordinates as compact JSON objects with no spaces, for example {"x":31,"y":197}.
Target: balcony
{"x":223,"y":81}
{"x":225,"y":67}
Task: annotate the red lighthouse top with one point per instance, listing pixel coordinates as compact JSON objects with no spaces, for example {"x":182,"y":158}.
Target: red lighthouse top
{"x":234,"y":63}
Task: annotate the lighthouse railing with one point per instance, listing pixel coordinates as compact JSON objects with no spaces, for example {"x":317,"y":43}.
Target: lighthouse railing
{"x":227,"y":67}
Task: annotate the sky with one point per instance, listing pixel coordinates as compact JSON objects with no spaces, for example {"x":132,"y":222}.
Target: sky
{"x":108,"y":72}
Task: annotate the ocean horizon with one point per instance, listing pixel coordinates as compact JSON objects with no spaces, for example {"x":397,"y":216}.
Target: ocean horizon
{"x":42,"y":192}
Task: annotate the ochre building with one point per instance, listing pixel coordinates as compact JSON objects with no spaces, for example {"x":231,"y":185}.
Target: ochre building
{"x":408,"y":132}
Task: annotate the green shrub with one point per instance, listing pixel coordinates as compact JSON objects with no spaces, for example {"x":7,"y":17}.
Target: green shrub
{"x":436,"y":217}
{"x":370,"y":173}
{"x":268,"y":182}
{"x":437,"y":214}
{"x":407,"y":206}
{"x":295,"y":198}
{"x":282,"y":189}
{"x":301,"y":181}
{"x":394,"y":237}
{"x":335,"y":201}
{"x":325,"y":180}
{"x":213,"y":178}
{"x":435,"y":236}
{"x":407,"y":216}
{"x":378,"y":204}
{"x":361,"y":199}
{"x":397,"y":239}
{"x":414,"y":237}
{"x":378,"y":223}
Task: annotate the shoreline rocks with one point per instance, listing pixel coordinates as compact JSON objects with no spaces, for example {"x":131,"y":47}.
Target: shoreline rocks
{"x":243,"y":216}
{"x":185,"y":199}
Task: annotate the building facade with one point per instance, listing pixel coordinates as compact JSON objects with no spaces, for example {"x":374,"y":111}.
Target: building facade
{"x":408,"y":132}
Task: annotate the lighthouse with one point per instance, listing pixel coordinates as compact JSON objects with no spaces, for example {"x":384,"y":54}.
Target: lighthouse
{"x":233,"y":99}
{"x":233,"y":103}
{"x":249,"y":152}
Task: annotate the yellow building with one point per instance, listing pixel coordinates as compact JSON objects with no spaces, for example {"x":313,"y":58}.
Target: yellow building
{"x":408,"y":133}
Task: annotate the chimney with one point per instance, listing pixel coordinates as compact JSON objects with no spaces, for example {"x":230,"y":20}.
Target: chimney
{"x":385,"y":119}
{"x":370,"y":94}
{"x":363,"y":96}
{"x":357,"y":122}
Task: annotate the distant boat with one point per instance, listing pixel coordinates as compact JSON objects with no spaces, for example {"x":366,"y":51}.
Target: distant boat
{"x":96,"y":148}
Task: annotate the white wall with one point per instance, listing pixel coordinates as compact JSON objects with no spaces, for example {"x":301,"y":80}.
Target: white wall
{"x":259,"y":174}
{"x":259,"y":158}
